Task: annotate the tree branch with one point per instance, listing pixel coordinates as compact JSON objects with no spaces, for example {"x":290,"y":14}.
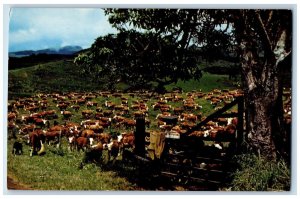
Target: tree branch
{"x":269,"y":19}
{"x":264,"y":34}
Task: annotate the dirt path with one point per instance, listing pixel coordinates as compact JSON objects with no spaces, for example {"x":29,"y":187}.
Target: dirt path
{"x":14,"y":185}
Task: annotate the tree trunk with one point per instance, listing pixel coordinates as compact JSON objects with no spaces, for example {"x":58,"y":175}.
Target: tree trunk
{"x":260,"y":131}
{"x":264,"y":104}
{"x":264,"y":38}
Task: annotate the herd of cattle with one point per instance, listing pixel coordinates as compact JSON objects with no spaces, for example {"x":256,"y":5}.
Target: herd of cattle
{"x":106,"y":120}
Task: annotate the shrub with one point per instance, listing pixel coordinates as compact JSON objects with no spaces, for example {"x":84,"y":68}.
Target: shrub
{"x":257,"y":174}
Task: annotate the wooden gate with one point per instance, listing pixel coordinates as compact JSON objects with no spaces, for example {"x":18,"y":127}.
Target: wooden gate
{"x":191,"y":159}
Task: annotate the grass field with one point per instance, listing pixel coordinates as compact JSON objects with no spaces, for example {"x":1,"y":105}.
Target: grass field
{"x":58,"y":170}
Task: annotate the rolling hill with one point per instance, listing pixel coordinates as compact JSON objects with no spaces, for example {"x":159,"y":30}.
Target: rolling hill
{"x":64,"y":76}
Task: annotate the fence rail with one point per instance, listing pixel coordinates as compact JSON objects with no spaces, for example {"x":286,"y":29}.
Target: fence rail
{"x":193,"y":170}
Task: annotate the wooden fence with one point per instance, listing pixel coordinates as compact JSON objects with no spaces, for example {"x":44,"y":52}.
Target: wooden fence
{"x":182,"y":160}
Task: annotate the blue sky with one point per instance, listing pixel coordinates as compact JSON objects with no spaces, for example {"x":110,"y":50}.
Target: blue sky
{"x":40,"y":28}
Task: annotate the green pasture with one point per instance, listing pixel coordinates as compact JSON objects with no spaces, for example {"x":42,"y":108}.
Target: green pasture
{"x":58,"y":168}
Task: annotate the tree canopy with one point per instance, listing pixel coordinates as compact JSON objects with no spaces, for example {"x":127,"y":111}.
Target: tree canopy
{"x":148,"y":52}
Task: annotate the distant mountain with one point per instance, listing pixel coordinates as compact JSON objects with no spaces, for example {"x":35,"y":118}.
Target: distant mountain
{"x":66,"y":50}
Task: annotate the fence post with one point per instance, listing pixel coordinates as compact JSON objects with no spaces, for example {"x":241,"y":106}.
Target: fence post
{"x":240,"y":126}
{"x":139,"y":137}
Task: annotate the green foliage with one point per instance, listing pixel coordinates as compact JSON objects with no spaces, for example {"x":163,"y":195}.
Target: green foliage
{"x":258,"y":174}
{"x":138,"y":58}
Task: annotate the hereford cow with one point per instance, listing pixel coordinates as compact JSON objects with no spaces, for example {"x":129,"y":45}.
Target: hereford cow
{"x":52,"y":136}
{"x":36,"y":140}
{"x":114,"y":149}
{"x":104,"y":138}
{"x":93,"y":154}
{"x":83,"y":143}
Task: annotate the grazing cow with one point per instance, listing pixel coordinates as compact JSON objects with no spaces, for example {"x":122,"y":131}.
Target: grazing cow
{"x":11,"y":116}
{"x":234,"y":121}
{"x":75,"y":107}
{"x":53,"y":136}
{"x":82,"y":143}
{"x":104,"y":138}
{"x":40,"y":122}
{"x":17,"y":148}
{"x":62,"y":106}
{"x":187,"y":125}
{"x":36,"y":140}
{"x":32,"y":109}
{"x":72,"y":142}
{"x":73,"y":126}
{"x":66,"y":114}
{"x":27,"y":129}
{"x":90,"y":104}
{"x":230,"y":130}
{"x":81,"y":101}
{"x":93,"y":154}
{"x":109,"y":105}
{"x":87,"y":113}
{"x":128,"y":123}
{"x":189,"y":117}
{"x":107,"y":113}
{"x":113,"y":149}
{"x":178,"y":111}
{"x":127,"y":140}
{"x":51,"y":114}
{"x":88,"y":133}
{"x":118,"y":119}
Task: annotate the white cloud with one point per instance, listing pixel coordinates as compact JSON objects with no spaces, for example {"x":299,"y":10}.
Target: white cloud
{"x":71,"y":26}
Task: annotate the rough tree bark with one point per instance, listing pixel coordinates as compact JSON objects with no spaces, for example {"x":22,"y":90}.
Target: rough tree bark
{"x":263,"y":83}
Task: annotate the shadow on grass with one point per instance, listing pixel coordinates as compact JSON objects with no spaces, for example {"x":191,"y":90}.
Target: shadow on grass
{"x":146,"y":174}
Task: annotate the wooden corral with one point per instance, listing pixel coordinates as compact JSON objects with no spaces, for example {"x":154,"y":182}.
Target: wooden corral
{"x":192,"y":159}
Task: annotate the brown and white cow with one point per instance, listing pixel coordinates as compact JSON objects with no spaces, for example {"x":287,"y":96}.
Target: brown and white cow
{"x":36,"y":141}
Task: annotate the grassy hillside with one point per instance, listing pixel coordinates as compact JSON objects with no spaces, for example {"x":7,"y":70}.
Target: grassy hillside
{"x":64,"y":76}
{"x":207,"y":83}
{"x":60,"y":76}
